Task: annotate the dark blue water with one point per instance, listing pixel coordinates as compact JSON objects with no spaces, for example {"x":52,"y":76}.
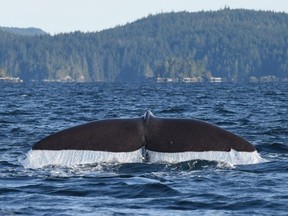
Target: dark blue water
{"x":257,"y":112}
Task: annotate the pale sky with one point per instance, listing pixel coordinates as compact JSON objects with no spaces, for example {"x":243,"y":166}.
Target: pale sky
{"x":56,"y":16}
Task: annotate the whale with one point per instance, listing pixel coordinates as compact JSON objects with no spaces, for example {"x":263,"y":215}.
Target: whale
{"x":147,"y":138}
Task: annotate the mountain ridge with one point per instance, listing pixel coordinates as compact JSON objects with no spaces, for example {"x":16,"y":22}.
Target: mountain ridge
{"x":30,"y":31}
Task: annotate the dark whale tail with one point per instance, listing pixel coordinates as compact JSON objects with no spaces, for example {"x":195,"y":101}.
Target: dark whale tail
{"x":155,"y":139}
{"x":114,"y":135}
{"x":182,"y":135}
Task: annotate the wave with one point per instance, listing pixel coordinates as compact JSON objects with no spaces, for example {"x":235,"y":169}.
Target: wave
{"x":273,"y":148}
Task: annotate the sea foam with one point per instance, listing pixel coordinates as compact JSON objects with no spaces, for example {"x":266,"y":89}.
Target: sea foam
{"x":69,"y":158}
{"x":232,"y":157}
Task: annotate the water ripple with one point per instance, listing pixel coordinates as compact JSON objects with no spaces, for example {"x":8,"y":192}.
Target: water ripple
{"x":32,"y":111}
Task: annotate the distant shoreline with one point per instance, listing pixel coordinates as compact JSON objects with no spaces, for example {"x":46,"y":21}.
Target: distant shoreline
{"x":214,"y":46}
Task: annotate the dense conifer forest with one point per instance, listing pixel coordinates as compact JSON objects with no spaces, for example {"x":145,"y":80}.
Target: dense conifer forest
{"x":236,"y":45}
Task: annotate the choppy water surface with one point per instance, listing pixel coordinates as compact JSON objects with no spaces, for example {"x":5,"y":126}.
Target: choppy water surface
{"x":258,"y":112}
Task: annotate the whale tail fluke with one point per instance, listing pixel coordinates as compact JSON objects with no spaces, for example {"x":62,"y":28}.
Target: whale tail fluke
{"x":181,"y":135}
{"x":115,"y":135}
{"x":148,"y":138}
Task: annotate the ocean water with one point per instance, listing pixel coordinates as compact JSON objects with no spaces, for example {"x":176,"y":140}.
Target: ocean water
{"x":257,"y":112}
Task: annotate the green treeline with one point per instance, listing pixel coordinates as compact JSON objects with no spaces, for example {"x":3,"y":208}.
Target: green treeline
{"x":232,"y":44}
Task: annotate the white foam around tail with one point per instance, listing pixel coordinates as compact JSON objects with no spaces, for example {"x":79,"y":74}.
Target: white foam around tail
{"x":233,"y":157}
{"x":42,"y":158}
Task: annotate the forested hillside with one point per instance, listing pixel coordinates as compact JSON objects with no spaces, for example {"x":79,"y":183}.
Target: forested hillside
{"x":233,"y":44}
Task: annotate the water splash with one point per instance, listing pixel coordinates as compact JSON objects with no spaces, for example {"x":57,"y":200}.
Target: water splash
{"x":69,"y":158}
